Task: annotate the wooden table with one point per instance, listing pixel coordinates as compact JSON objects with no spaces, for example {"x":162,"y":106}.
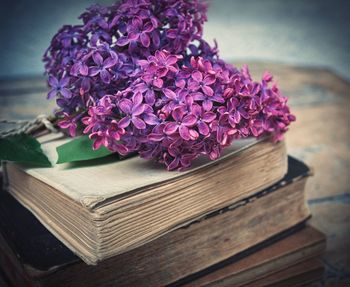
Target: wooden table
{"x":320,"y":136}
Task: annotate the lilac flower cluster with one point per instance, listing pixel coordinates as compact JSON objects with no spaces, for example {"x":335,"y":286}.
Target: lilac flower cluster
{"x":138,"y":77}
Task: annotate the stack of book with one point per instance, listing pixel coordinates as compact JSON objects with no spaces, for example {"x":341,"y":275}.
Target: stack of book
{"x":238,"y":221}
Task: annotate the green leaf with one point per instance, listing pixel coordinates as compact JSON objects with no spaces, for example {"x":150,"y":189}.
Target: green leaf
{"x":80,"y":149}
{"x":22,"y":148}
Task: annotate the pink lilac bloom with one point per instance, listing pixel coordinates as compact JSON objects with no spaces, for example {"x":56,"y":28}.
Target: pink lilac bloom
{"x":68,"y":122}
{"x":182,"y":123}
{"x":138,"y":77}
{"x":132,"y":109}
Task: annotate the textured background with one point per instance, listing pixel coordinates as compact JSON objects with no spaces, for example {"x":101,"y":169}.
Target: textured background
{"x":314,"y":32}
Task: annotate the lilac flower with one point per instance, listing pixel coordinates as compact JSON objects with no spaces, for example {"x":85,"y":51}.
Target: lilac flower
{"x":234,"y":111}
{"x":109,"y":138}
{"x":102,"y":67}
{"x":157,"y":133}
{"x":104,"y":129}
{"x":124,"y":69}
{"x":94,"y":17}
{"x":137,"y":76}
{"x":182,"y":123}
{"x":68,"y":123}
{"x":132,"y":109}
{"x":80,"y":67}
{"x":138,"y":30}
{"x":180,"y":97}
{"x":224,"y":132}
{"x":100,"y":35}
{"x":85,"y":85}
{"x":148,"y":91}
{"x":178,"y":159}
{"x":204,"y":118}
{"x":166,"y":60}
{"x":151,"y":119}
{"x":203,"y":49}
{"x":70,"y":35}
{"x":59,"y":87}
{"x":151,"y":151}
{"x":208,"y":101}
{"x":100,"y":138}
{"x":197,"y":82}
{"x":212,"y":148}
{"x":153,"y":75}
{"x":98,"y":114}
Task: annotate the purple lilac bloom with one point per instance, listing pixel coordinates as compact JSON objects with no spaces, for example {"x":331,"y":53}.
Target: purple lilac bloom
{"x":203,"y":118}
{"x":102,"y":67}
{"x":138,"y":31}
{"x":181,"y":123}
{"x":132,"y":109}
{"x":137,"y":76}
{"x":59,"y":87}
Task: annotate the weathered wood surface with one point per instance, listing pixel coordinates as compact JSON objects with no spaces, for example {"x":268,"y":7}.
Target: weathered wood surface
{"x":320,"y":136}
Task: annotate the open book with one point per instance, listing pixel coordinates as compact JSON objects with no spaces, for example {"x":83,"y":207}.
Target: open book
{"x":105,"y":209}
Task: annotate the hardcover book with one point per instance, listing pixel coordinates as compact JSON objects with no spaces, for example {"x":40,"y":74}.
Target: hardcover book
{"x":281,"y":261}
{"x":221,"y":237}
{"x":103,"y":210}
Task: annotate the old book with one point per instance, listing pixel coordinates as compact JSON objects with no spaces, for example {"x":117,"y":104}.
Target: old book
{"x":107,"y":209}
{"x":266,"y":263}
{"x":226,"y":235}
{"x":298,"y":275}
